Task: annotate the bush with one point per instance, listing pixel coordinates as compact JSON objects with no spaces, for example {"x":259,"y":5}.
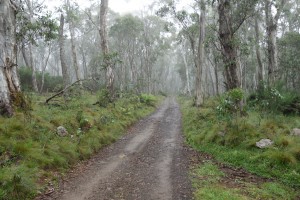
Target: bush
{"x":230,"y":102}
{"x":148,"y":99}
{"x":103,"y":98}
{"x":274,"y":101}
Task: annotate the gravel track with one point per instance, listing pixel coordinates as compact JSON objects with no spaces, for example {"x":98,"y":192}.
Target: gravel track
{"x":149,"y":163}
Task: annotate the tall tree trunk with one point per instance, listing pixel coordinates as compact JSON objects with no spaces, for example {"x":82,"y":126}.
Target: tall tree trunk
{"x":44,"y":69}
{"x":271,"y":24}
{"x":25,"y":57}
{"x":74,"y":54}
{"x":229,"y":49}
{"x":104,"y":47}
{"x":199,"y":57}
{"x":186,"y":71}
{"x":31,"y":63}
{"x":73,"y":46}
{"x":260,"y":77}
{"x":64,"y":67}
{"x":33,"y":70}
{"x":9,"y":80}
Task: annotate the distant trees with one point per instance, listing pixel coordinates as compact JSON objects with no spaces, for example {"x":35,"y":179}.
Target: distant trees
{"x":218,"y":45}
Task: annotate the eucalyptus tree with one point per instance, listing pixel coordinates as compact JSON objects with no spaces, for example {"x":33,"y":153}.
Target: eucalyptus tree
{"x":271,"y":29}
{"x":64,"y":67}
{"x":72,"y":13}
{"x":9,"y":81}
{"x":126,"y":33}
{"x":31,"y":8}
{"x":289,"y":50}
{"x":232,"y":14}
{"x":153,"y":44}
{"x":193,"y":28}
{"x":105,"y":50}
{"x":260,"y":73}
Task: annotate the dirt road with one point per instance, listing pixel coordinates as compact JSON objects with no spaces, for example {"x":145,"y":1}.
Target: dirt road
{"x":148,"y":163}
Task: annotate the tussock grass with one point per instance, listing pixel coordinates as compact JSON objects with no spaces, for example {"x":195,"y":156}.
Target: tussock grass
{"x":232,"y":140}
{"x":208,"y":181}
{"x":30,"y":149}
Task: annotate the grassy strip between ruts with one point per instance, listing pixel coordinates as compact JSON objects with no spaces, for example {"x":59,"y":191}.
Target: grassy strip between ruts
{"x":33,"y":155}
{"x":232,"y":141}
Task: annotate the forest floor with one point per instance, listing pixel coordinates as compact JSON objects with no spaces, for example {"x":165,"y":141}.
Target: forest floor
{"x":152,"y":161}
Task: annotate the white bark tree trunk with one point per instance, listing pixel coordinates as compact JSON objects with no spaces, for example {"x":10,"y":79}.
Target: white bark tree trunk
{"x":272,"y":24}
{"x":9,"y":80}
{"x":260,"y":77}
{"x":200,"y":58}
{"x":31,"y":63}
{"x":104,"y":47}
{"x":64,"y":67}
{"x":187,"y":74}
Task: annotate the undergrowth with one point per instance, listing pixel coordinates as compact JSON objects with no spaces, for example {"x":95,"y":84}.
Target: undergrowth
{"x":32,"y":155}
{"x":231,"y":139}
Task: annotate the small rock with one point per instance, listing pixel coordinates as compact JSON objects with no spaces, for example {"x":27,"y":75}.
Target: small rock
{"x":221,"y":133}
{"x":295,"y":132}
{"x":263,"y":143}
{"x":62,"y":131}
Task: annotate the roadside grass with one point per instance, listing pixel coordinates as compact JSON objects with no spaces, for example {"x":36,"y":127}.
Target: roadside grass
{"x":232,"y":141}
{"x":210,"y":183}
{"x":32,"y":155}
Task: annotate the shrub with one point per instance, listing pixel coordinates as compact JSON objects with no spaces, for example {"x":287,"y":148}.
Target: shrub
{"x":230,"y":102}
{"x":103,"y":98}
{"x":147,"y":99}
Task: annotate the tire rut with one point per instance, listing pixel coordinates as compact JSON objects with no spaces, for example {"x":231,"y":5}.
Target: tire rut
{"x":149,"y":163}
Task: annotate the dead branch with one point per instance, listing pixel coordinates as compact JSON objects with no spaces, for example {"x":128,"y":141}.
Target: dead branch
{"x":63,"y":91}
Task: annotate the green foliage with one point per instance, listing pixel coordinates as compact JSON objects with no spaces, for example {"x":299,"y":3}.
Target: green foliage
{"x":127,"y":26}
{"x":103,"y":98}
{"x":43,"y":27}
{"x":51,"y":83}
{"x":230,"y":102}
{"x":272,"y":100}
{"x":32,"y":151}
{"x":289,"y":50}
{"x":148,"y":99}
{"x":234,"y":143}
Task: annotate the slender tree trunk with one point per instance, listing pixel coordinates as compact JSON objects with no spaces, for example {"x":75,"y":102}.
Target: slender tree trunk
{"x":216,"y":75}
{"x":31,"y":63}
{"x":44,"y":69}
{"x":260,"y":77}
{"x":271,"y":24}
{"x":104,"y":47}
{"x":64,"y":67}
{"x":200,"y":57}
{"x":84,"y":64}
{"x":33,"y":75}
{"x":23,"y":48}
{"x":227,"y":40}
{"x":9,"y":80}
{"x":74,"y":53}
{"x":186,"y":71}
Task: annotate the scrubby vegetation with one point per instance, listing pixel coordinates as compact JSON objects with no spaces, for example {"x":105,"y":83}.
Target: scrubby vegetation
{"x":228,"y":129}
{"x":33,"y":155}
{"x":51,"y":83}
